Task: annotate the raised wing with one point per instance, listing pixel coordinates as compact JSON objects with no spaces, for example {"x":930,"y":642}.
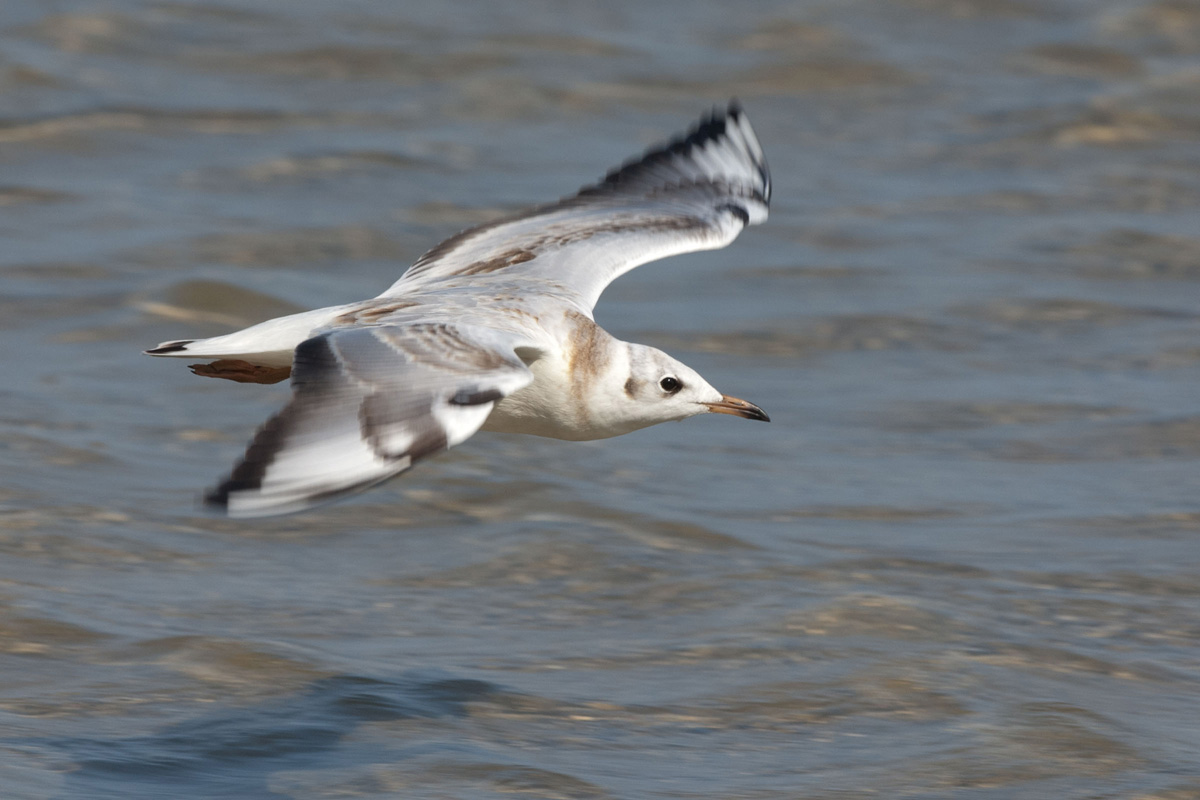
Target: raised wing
{"x":367,"y":403}
{"x":695,"y":193}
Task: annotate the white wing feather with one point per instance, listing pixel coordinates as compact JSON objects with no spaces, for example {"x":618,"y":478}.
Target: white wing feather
{"x":695,"y":193}
{"x":367,"y":403}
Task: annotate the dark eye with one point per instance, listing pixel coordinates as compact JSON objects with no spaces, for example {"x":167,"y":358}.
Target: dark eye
{"x":670,"y":385}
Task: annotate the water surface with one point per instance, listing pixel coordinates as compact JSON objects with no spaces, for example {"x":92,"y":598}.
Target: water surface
{"x":962,"y":560}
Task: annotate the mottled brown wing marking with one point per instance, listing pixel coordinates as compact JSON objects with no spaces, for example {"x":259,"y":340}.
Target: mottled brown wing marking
{"x":516,"y":256}
{"x":374,"y":312}
{"x":553,"y":236}
{"x":430,"y":343}
{"x":517,"y":312}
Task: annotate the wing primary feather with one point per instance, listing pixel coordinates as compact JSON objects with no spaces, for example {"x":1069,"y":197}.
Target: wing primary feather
{"x":367,"y":403}
{"x":719,"y":155}
{"x":248,"y":475}
{"x":313,"y":357}
{"x":718,"y":126}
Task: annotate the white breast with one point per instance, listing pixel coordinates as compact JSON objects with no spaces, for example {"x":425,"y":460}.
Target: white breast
{"x":573,"y":389}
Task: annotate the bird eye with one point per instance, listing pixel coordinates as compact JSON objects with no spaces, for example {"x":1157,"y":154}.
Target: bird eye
{"x":670,"y":385}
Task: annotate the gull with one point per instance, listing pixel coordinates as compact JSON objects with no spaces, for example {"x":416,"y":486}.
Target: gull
{"x":491,"y":330}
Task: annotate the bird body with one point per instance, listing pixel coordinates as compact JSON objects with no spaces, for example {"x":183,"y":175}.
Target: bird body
{"x":491,"y":330}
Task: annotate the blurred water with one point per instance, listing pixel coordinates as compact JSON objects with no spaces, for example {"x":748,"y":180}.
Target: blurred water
{"x":961,"y":562}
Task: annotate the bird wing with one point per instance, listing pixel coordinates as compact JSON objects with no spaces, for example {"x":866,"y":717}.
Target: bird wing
{"x":368,"y":402}
{"x":695,"y":193}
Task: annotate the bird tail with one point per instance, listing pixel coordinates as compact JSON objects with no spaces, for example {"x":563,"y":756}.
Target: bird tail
{"x":268,"y":344}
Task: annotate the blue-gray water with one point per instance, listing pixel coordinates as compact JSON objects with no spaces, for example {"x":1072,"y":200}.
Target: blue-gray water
{"x":962,"y":560}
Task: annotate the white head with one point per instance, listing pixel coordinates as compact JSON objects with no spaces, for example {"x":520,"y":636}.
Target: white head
{"x":650,"y":387}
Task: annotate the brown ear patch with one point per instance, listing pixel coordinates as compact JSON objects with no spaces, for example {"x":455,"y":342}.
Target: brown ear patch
{"x":241,"y":371}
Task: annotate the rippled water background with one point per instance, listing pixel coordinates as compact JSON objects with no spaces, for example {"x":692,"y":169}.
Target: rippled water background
{"x":961,"y":562}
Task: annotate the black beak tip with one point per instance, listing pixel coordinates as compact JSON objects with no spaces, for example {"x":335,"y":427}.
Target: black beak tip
{"x":739,"y":408}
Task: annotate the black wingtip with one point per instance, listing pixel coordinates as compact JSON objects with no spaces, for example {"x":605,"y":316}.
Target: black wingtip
{"x":168,"y":347}
{"x":248,"y":475}
{"x":709,"y":127}
{"x":216,"y":499}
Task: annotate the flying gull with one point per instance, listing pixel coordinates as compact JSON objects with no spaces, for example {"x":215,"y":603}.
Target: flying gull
{"x":491,"y":330}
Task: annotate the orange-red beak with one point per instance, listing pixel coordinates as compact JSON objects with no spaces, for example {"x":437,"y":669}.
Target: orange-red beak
{"x":739,"y":408}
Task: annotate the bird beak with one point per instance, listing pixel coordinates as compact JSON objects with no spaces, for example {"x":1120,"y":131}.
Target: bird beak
{"x":739,"y":408}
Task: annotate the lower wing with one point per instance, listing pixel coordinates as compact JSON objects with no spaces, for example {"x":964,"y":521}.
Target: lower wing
{"x":367,"y":403}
